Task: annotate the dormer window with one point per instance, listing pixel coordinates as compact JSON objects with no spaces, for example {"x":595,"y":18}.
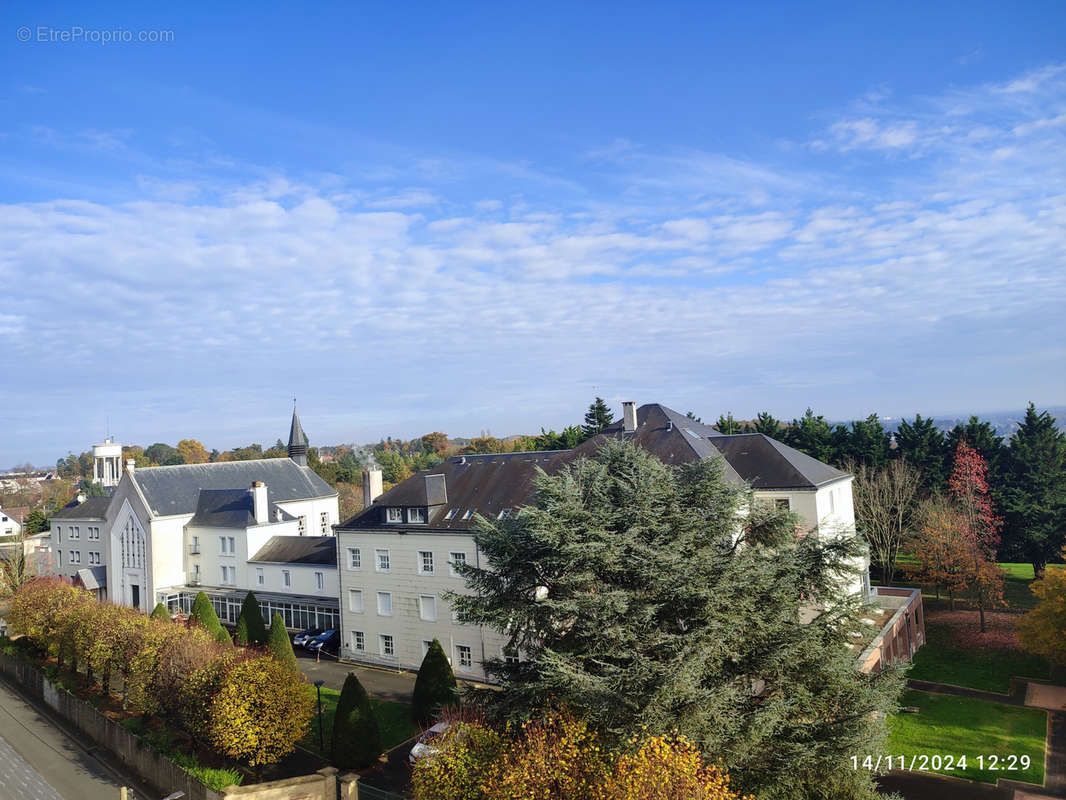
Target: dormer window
{"x":451,"y":513}
{"x":416,"y":515}
{"x":504,"y":513}
{"x":469,"y":513}
{"x":394,"y":515}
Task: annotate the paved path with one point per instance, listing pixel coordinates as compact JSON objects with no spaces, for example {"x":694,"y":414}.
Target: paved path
{"x":381,"y":683}
{"x":39,"y":761}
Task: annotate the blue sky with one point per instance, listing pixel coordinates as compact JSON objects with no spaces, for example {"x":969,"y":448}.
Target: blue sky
{"x":468,"y":217}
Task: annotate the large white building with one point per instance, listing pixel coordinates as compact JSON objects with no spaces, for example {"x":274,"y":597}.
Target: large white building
{"x":395,"y":557}
{"x":166,"y":533}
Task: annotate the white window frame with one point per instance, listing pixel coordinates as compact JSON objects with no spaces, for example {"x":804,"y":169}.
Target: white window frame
{"x":359,"y":641}
{"x":320,"y":581}
{"x":355,"y":601}
{"x":393,"y":515}
{"x":75,"y":531}
{"x":421,"y":562}
{"x":423,"y":606}
{"x":355,"y":558}
{"x":388,"y":597}
{"x":468,"y":513}
{"x":378,"y":554}
{"x":323,"y":519}
{"x":260,"y":576}
{"x":390,"y":639}
{"x":451,"y":513}
{"x":452,"y":561}
{"x":416,"y":516}
{"x":459,"y":647}
{"x":286,"y":578}
{"x":426,"y":644}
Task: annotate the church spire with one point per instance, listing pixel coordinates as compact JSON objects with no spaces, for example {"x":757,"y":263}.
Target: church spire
{"x":297,"y":439}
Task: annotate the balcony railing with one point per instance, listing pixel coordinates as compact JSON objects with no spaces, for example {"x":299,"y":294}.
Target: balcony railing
{"x":194,"y":549}
{"x":192,"y":579}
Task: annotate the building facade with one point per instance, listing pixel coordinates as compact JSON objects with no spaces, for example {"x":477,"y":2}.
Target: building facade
{"x":394,"y":557}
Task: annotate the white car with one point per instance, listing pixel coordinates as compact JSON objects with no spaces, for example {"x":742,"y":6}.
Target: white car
{"x":424,"y":746}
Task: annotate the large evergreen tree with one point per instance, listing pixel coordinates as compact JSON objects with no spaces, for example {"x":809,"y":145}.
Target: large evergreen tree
{"x":810,"y":434}
{"x":597,"y":419}
{"x":1034,"y":491}
{"x":921,"y":444}
{"x":982,"y":437}
{"x":253,"y":628}
{"x":867,"y":442}
{"x":625,"y":588}
{"x":766,"y":423}
{"x":435,"y":686}
{"x":356,"y":736}
{"x":727,"y":424}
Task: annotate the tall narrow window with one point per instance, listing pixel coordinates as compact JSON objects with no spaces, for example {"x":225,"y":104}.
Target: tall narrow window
{"x":301,"y":525}
{"x":453,"y":560}
{"x":386,"y":644}
{"x":320,"y":581}
{"x":425,"y":562}
{"x":465,"y":655}
{"x":358,"y":641}
{"x":260,"y":578}
{"x":286,"y":577}
{"x":385,"y":604}
{"x":382,"y":560}
{"x":355,"y":558}
{"x":355,"y":601}
{"x":427,"y":607}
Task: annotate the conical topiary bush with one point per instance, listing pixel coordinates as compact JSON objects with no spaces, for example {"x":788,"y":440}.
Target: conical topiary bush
{"x":435,"y":687}
{"x":254,"y":629}
{"x":279,"y":643}
{"x":356,"y":737}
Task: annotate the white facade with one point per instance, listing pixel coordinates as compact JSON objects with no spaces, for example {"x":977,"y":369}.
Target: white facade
{"x":9,"y":526}
{"x":107,"y":463}
{"x":392,"y":588}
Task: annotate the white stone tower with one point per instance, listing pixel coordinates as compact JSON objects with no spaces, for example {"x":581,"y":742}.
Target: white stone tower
{"x":107,"y":463}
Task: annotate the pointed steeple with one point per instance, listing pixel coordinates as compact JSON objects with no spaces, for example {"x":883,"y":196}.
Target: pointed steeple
{"x":297,"y":439}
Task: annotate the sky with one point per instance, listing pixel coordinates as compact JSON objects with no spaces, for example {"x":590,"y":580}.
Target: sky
{"x":478,"y":217}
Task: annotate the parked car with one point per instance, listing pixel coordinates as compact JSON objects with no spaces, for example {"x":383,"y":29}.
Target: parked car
{"x":327,"y":641}
{"x":303,"y":638}
{"x":425,"y":746}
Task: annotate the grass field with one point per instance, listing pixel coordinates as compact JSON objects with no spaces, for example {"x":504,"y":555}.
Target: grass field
{"x":1015,"y":587}
{"x":944,"y":659}
{"x":962,"y":726}
{"x":394,"y":720}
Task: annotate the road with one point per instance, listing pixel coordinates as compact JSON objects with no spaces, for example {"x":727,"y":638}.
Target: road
{"x":38,"y":761}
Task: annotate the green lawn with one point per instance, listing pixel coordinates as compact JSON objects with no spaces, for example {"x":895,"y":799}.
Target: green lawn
{"x":394,"y":720}
{"x":1015,"y":587}
{"x":961,"y":726}
{"x":987,"y":669}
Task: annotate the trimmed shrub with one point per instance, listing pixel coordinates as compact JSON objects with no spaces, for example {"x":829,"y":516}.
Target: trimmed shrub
{"x":279,"y":643}
{"x":203,"y":614}
{"x":254,"y":632}
{"x":160,"y":612}
{"x":356,"y":736}
{"x":435,"y":686}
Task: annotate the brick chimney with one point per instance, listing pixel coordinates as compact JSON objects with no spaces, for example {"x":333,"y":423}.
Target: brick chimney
{"x":259,"y":503}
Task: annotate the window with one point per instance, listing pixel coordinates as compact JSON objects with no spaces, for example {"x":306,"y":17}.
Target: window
{"x":286,"y":577}
{"x":358,"y":641}
{"x":229,"y":574}
{"x":384,"y":604}
{"x":355,"y":558}
{"x":425,"y":562}
{"x":301,"y":525}
{"x":394,"y":515}
{"x":416,"y":515}
{"x":94,"y":558}
{"x":94,"y":533}
{"x":427,"y":607}
{"x":465,"y":655}
{"x":832,"y":501}
{"x":782,"y":504}
{"x":225,"y":545}
{"x":504,"y":513}
{"x":75,"y":556}
{"x":320,"y":581}
{"x":469,"y":513}
{"x":382,"y":560}
{"x":196,"y":572}
{"x":453,"y":559}
{"x":260,"y":578}
{"x":385,"y":645}
{"x":75,"y":532}
{"x":451,"y":513}
{"x":59,"y":533}
{"x":323,"y":523}
{"x":60,"y":554}
{"x":355,"y":601}
{"x":510,"y":656}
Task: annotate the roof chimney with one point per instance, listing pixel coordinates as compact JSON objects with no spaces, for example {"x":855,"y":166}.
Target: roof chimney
{"x":130,"y":465}
{"x":259,"y":503}
{"x":81,"y":497}
{"x":372,"y":488}
{"x":629,"y":416}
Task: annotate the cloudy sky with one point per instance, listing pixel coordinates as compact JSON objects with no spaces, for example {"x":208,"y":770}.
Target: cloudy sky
{"x":418,"y":217}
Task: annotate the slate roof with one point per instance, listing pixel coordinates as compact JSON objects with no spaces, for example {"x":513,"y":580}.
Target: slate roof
{"x":16,"y":513}
{"x":298,"y":550}
{"x":176,"y":490}
{"x":231,"y":508}
{"x":93,"y":577}
{"x":92,"y":508}
{"x":296,"y":432}
{"x":486,"y":484}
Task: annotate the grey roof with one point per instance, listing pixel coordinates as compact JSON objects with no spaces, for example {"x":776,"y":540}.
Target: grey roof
{"x":232,"y":508}
{"x":176,"y":490}
{"x":486,"y":484}
{"x":92,"y":508}
{"x":298,"y":550}
{"x":93,"y":577}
